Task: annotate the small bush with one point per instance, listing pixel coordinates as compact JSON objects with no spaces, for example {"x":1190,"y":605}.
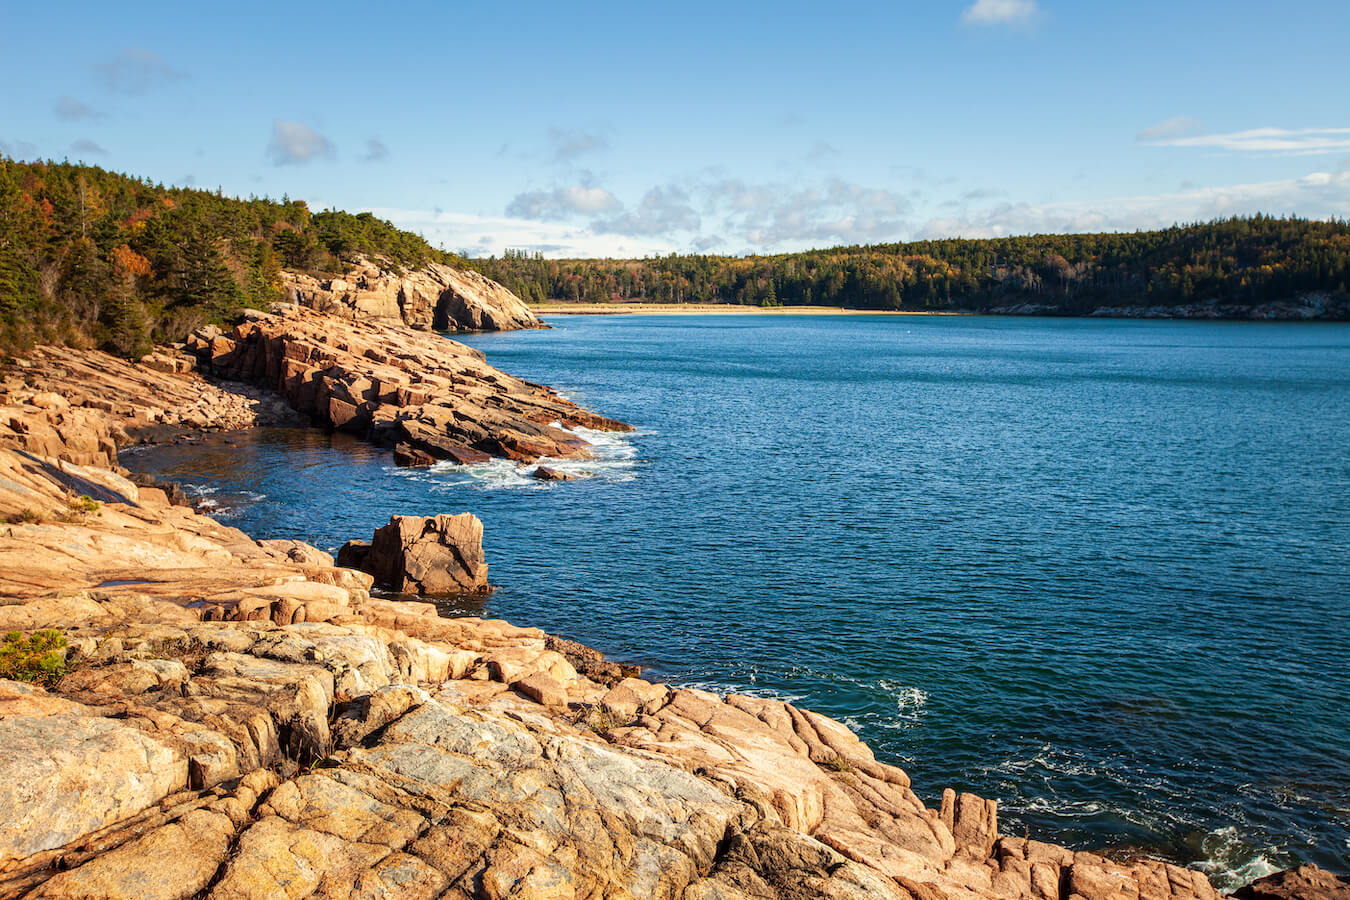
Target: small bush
{"x":79,"y":507}
{"x":838,"y":764}
{"x":39,"y":657}
{"x":29,"y":516}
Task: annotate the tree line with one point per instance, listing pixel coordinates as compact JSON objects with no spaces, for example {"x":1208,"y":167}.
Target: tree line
{"x":1242,"y":261}
{"x":90,"y":257}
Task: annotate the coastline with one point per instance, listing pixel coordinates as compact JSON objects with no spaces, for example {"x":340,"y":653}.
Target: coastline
{"x":826,"y":769}
{"x":727,"y":309}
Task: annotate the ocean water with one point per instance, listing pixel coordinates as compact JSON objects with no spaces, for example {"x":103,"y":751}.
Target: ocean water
{"x":1098,"y":570}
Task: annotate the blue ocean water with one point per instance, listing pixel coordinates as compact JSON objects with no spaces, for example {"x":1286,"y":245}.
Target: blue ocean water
{"x":1098,"y":570}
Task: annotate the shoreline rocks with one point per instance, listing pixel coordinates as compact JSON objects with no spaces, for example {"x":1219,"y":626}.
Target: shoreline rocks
{"x":429,"y":397}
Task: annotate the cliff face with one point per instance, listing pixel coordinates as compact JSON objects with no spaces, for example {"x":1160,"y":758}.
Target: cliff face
{"x":434,"y":297}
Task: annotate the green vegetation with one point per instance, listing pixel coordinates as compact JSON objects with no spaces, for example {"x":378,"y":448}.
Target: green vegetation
{"x":40,"y":657}
{"x":78,"y":508}
{"x":27,"y":516}
{"x":1238,"y":261}
{"x":93,"y":258}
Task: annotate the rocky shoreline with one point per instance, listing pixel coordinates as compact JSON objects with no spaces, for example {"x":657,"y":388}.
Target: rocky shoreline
{"x":239,"y":718}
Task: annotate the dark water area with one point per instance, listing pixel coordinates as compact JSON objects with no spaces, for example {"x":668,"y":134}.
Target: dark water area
{"x":1098,"y":570}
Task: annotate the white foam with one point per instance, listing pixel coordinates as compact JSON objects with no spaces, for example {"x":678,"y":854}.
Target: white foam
{"x":1230,"y":862}
{"x":613,"y":458}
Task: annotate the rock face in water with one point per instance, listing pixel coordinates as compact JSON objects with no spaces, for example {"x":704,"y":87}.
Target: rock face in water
{"x":434,"y":296}
{"x":425,"y":554}
{"x":1301,"y":883}
{"x":432,"y":398}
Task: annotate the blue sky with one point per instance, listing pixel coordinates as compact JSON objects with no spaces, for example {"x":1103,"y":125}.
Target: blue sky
{"x":629,"y":129}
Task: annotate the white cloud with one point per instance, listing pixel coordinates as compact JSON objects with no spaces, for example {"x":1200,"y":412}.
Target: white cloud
{"x":295,"y":142}
{"x":562,"y":203}
{"x":1000,"y":12}
{"x":773,"y":216}
{"x":482,"y":235}
{"x":1297,"y":141}
{"x":136,"y":70}
{"x":664,"y":211}
{"x":1177,"y":126}
{"x":1316,"y":195}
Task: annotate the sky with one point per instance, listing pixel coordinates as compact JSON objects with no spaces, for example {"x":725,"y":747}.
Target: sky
{"x":608,"y":129}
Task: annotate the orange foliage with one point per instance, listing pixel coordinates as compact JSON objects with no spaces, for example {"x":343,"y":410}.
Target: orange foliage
{"x":138,"y":217}
{"x":128,"y":262}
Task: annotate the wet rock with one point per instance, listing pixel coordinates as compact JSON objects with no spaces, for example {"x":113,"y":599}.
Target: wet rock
{"x":544,"y":473}
{"x":1307,"y":882}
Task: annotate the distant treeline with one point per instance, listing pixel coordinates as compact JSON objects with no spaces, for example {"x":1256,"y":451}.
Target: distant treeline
{"x":93,"y":258}
{"x":1238,"y":261}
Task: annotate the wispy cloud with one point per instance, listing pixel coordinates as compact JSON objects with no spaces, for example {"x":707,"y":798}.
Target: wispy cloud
{"x":570,"y":144}
{"x":376,"y":151}
{"x":1315,"y":195}
{"x":821,"y":151}
{"x":85,"y":147}
{"x":1001,"y":12}
{"x":1295,"y":141}
{"x":1175,"y":127}
{"x":19,"y":150}
{"x":476,"y":235}
{"x":562,"y":203}
{"x":294,"y":143}
{"x":73,"y":110}
{"x":136,"y":70}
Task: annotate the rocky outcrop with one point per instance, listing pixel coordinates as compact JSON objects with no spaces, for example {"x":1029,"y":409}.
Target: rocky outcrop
{"x":1301,"y":883}
{"x":424,"y":555}
{"x":79,"y":405}
{"x":430,"y":397}
{"x":436,"y":296}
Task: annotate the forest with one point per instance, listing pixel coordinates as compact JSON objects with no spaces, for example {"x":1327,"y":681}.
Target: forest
{"x":94,"y":258}
{"x":1235,"y":262}
{"x":90,"y":257}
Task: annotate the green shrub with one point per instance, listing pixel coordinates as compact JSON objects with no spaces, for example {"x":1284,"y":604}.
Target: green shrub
{"x":79,"y":507}
{"x":38,"y":657}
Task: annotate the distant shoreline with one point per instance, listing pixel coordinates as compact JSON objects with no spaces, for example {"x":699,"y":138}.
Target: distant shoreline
{"x":729,"y":309}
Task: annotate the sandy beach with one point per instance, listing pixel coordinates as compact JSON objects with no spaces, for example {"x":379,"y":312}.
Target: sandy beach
{"x":728,"y":309}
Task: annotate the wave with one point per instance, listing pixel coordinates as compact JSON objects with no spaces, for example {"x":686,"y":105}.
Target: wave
{"x":1231,"y":862}
{"x":614,"y":459}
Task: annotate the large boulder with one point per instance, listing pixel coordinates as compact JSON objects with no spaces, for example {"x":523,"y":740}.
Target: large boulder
{"x":427,"y":554}
{"x":435,"y":296}
{"x":1306,"y":882}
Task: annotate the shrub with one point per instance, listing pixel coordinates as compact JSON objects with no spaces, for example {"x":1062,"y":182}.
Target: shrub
{"x":79,"y":507}
{"x":39,"y":657}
